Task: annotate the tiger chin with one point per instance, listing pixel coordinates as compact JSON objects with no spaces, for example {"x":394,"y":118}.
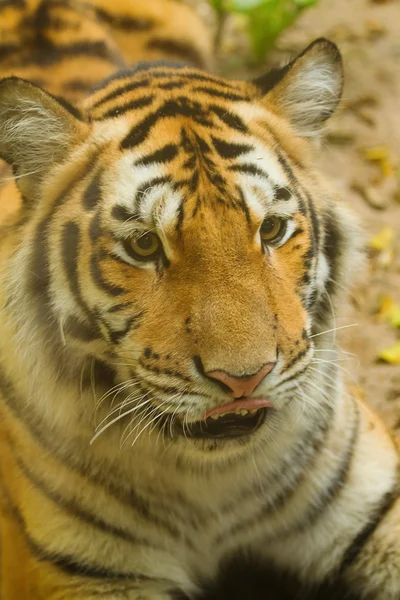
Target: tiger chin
{"x":170,"y":398}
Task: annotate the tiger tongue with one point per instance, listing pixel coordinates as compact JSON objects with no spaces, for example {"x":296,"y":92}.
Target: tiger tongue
{"x":242,"y":404}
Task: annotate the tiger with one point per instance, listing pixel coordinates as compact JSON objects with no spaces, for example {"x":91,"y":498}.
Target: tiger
{"x":171,"y":261}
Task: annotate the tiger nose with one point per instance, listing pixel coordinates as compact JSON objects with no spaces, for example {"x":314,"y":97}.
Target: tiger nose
{"x":241,"y":386}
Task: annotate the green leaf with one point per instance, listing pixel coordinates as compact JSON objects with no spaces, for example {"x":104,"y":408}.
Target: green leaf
{"x":267,"y":22}
{"x":266,"y":18}
{"x":245,"y":6}
{"x":218,"y":5}
{"x":305,"y":3}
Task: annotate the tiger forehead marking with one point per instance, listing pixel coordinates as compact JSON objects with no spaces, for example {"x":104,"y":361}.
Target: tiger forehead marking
{"x":205,"y":153}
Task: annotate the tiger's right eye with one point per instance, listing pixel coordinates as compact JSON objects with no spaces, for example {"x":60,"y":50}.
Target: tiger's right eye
{"x":145,"y":247}
{"x":272,"y":230}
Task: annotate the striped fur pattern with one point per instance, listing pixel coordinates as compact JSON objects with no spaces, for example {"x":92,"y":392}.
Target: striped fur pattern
{"x":103,"y":353}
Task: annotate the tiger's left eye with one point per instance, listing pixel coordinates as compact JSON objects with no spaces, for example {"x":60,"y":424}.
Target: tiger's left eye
{"x":272,"y":230}
{"x":145,"y":247}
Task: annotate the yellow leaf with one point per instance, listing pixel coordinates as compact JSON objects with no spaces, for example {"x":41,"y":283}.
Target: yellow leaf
{"x":387,"y":168}
{"x":376,"y":153}
{"x":383,"y":239}
{"x":391,"y":355}
{"x":389,"y":311}
{"x":380,"y":155}
{"x":394,"y":318}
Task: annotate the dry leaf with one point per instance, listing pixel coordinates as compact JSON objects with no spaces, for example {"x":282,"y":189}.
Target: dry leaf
{"x":383,"y":240}
{"x":391,"y":354}
{"x":356,"y":391}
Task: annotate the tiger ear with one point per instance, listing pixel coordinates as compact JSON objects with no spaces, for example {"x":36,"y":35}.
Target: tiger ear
{"x":306,"y":91}
{"x":36,"y":131}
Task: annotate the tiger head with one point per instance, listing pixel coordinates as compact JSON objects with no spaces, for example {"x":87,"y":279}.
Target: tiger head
{"x":175,"y":229}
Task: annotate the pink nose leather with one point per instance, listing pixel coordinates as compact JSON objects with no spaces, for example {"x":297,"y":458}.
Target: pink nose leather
{"x":241,"y":386}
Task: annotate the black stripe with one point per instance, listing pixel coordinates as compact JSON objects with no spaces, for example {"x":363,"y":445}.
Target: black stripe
{"x":165,"y":154}
{"x":74,"y":85}
{"x":139,"y":133}
{"x":293,"y":376}
{"x":300,"y":460}
{"x":229,"y":149}
{"x":331,"y":492}
{"x":129,"y":498}
{"x":243,"y":205}
{"x":70,"y":253}
{"x":124,"y":108}
{"x":332,"y":246}
{"x":121,"y":213}
{"x":131,"y":324}
{"x":52,"y":53}
{"x":75,"y":112}
{"x":158,"y":371}
{"x":206,"y":78}
{"x":7,"y":50}
{"x":125,"y":22}
{"x":92,"y":194}
{"x":294,"y":360}
{"x":172,"y":85}
{"x":314,"y":221}
{"x":233,"y":121}
{"x":249,"y":169}
{"x":70,"y":565}
{"x":95,"y":228}
{"x":218,"y":94}
{"x":119,"y":307}
{"x":72,"y":507}
{"x":39,"y":283}
{"x":183,"y":106}
{"x":80,"y":330}
{"x":122,"y":90}
{"x":282,"y":193}
{"x":63,"y":561}
{"x":177,"y":48}
{"x":353,"y":551}
{"x":12,"y":4}
{"x":98,"y":279}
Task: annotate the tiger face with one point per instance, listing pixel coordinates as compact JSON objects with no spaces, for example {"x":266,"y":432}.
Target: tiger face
{"x":190,"y":245}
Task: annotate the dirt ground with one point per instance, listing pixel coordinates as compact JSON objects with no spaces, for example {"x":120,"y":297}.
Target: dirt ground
{"x":368,"y":34}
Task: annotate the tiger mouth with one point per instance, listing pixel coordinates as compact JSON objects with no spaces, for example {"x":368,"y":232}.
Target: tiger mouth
{"x":228,"y":421}
{"x":230,"y":425}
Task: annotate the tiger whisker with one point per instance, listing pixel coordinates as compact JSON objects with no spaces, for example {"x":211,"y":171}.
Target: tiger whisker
{"x":333,"y":329}
{"x":120,"y":416}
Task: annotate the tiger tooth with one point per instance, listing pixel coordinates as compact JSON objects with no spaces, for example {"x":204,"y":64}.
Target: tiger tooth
{"x":244,"y":412}
{"x":215,"y":417}
{"x":253,"y":411}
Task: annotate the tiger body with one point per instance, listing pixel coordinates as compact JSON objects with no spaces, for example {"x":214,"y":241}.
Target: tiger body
{"x":107,"y":357}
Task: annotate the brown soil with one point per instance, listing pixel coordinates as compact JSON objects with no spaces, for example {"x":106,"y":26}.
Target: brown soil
{"x":368,"y":34}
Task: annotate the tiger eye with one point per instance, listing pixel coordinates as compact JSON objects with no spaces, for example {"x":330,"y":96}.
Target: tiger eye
{"x":272,"y":230}
{"x":146,"y":246}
